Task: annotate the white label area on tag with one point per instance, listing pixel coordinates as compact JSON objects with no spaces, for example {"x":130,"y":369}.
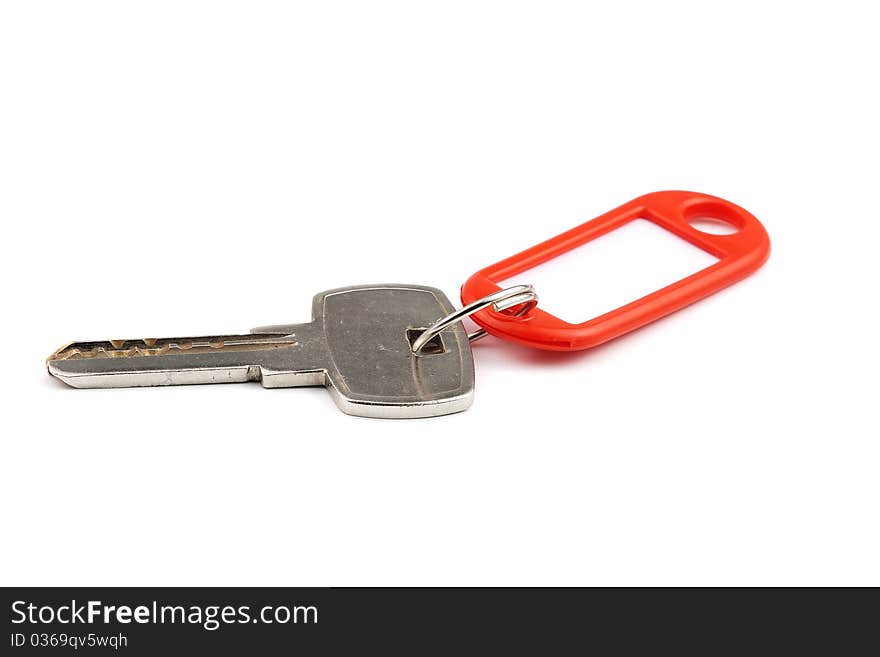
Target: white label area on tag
{"x":611,"y":271}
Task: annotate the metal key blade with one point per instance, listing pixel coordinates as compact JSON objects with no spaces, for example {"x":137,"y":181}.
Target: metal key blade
{"x":173,"y":361}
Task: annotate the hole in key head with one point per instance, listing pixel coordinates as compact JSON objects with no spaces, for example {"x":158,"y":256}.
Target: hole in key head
{"x":432,"y":347}
{"x":713,"y":225}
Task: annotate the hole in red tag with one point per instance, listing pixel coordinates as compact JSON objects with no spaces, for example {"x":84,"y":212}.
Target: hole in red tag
{"x":713,"y":226}
{"x":613,"y":270}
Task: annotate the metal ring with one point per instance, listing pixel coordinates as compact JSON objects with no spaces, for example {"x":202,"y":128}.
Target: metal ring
{"x":511,"y":297}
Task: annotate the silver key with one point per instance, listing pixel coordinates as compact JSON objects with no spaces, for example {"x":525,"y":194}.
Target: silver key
{"x":358,"y":344}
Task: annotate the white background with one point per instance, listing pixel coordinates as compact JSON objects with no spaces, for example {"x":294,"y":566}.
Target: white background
{"x":181,"y":168}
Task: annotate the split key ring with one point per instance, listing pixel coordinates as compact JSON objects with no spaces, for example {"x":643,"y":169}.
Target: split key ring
{"x":509,"y":298}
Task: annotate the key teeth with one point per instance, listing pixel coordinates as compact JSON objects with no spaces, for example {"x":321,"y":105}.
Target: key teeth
{"x":118,"y":349}
{"x":160,"y":347}
{"x":57,"y":353}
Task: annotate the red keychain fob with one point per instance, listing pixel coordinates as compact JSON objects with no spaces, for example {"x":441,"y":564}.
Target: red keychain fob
{"x":739,"y":254}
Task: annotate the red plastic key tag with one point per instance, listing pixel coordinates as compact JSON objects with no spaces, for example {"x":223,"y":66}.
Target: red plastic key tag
{"x":739,"y":254}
